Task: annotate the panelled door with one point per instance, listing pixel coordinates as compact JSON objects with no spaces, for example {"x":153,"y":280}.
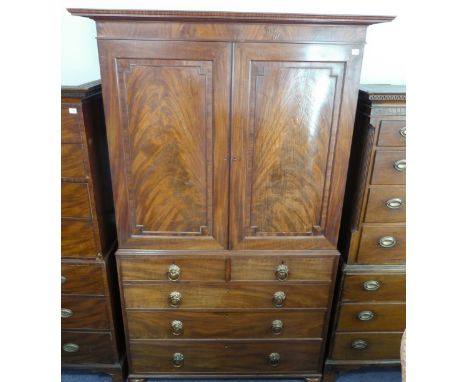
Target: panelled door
{"x":167,"y":109}
{"x":293,"y":111}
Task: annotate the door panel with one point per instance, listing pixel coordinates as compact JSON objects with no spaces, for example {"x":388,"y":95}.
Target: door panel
{"x":168,"y":136}
{"x":292,"y":121}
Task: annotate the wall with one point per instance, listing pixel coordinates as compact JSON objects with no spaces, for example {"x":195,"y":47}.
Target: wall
{"x":384,"y":57}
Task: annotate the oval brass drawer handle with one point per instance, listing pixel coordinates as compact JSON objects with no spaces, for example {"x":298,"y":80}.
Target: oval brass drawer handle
{"x":63,"y":279}
{"x":371,"y":285}
{"x":177,"y":327}
{"x":274,"y":359}
{"x":400,"y":165}
{"x":387,"y":241}
{"x":359,"y":344}
{"x":70,"y":348}
{"x":366,"y":315}
{"x":394,"y":203}
{"x":175,"y":299}
{"x":403,"y":131}
{"x":66,"y":313}
{"x":173,"y":272}
{"x":279,"y":298}
{"x":277,"y":327}
{"x":282,"y":272}
{"x":177,"y":360}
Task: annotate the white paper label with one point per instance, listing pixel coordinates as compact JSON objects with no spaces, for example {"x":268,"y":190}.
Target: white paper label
{"x":72,"y":110}
{"x":355,"y":52}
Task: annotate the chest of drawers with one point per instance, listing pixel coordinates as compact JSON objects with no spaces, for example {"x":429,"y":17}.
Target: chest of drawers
{"x":92,"y":333}
{"x":229,"y":138}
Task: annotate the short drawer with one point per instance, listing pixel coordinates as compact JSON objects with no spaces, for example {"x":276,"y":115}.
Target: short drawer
{"x":382,"y":245}
{"x":83,"y":278}
{"x":174,"y":268}
{"x":75,"y":200}
{"x":70,"y":124}
{"x":78,"y":239}
{"x":374,"y":287}
{"x":392,"y":133}
{"x":389,"y":167}
{"x":386,"y":205}
{"x":282,"y":268}
{"x":366,"y":346}
{"x":231,"y":324}
{"x":225,"y":356}
{"x":73,"y":165}
{"x":219,"y":296}
{"x":376,"y":317}
{"x":84,"y":312}
{"x":88,"y":347}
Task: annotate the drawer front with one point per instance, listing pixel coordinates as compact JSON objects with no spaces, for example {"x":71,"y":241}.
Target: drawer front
{"x":374,"y":287}
{"x":83,"y":279}
{"x":218,"y":296}
{"x":366,"y":346}
{"x":70,"y":125}
{"x":73,"y":165}
{"x":157,"y":268}
{"x":189,"y":325}
{"x":386,"y":205}
{"x":79,"y":312}
{"x":389,"y":167}
{"x":382,"y":245}
{"x":381,"y":317}
{"x":78,"y":239}
{"x":225,"y":356}
{"x":88,"y":347}
{"x":392,"y":133}
{"x":75,"y":200}
{"x":282,"y":268}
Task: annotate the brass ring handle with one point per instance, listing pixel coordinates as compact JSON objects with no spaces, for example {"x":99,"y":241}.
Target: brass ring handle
{"x":282,"y":272}
{"x":277,"y":327}
{"x":177,"y":327}
{"x":70,"y":348}
{"x":387,"y":241}
{"x":175,"y":299}
{"x":403,"y":131}
{"x":63,"y":279}
{"x":400,"y":165}
{"x":366,"y":315}
{"x":177,"y":360}
{"x":279,"y":298}
{"x":66,"y":313}
{"x":359,"y":344}
{"x":394,"y":203}
{"x":371,"y":285}
{"x":173,"y":272}
{"x":274,"y":359}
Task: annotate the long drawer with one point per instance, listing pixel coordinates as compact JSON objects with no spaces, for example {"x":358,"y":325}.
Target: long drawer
{"x":382,"y":245}
{"x":366,"y":346}
{"x":83,"y":278}
{"x":374,"y":287}
{"x":226,"y":295}
{"x":389,"y":167}
{"x":184,"y":324}
{"x":88,"y":347}
{"x":225,"y":356}
{"x":386,"y":205}
{"x":85,"y":312}
{"x":392,"y":133}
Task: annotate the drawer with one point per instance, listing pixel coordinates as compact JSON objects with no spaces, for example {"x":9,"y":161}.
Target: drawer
{"x":386,"y":205}
{"x":84,"y":312}
{"x":248,"y":324}
{"x":381,"y":317}
{"x":73,"y":165}
{"x":392,"y":133}
{"x":88,"y":347}
{"x":191,"y":268}
{"x":78,"y":239}
{"x":382,"y":245}
{"x":225,"y":356}
{"x":75,"y":200}
{"x":285,"y":267}
{"x":374,"y":287}
{"x":70,"y":125}
{"x":79,"y":278}
{"x":389,"y":167}
{"x":366,"y":346}
{"x":226,"y":295}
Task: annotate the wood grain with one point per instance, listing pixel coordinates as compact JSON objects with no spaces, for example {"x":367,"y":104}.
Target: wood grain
{"x":380,"y":346}
{"x":78,"y":239}
{"x":94,"y":347}
{"x":378,"y":212}
{"x":383,"y":171}
{"x":75,"y":200}
{"x":370,"y":252}
{"x":73,"y":165}
{"x":70,"y":124}
{"x":392,"y":287}
{"x":88,"y":313}
{"x":389,"y":133}
{"x":88,"y":278}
